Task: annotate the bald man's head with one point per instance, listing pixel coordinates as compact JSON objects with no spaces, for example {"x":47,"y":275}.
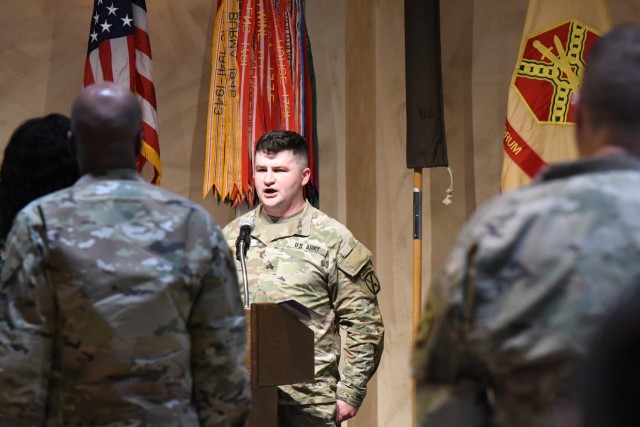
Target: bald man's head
{"x":106,"y":128}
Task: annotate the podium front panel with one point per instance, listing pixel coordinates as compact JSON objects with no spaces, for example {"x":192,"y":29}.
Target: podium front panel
{"x":282,"y":348}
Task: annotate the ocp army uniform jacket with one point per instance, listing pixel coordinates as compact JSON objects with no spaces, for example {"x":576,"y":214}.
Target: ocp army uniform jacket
{"x":532,"y":274}
{"x":120,"y":306}
{"x":314,"y":260}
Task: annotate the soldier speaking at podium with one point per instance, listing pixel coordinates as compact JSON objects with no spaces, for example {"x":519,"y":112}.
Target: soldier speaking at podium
{"x":299,"y":253}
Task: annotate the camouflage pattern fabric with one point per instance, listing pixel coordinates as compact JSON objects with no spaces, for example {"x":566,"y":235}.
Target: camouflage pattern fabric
{"x":2,"y":253}
{"x":530,"y":277}
{"x":119,"y":306}
{"x":313,"y":259}
{"x":318,"y":415}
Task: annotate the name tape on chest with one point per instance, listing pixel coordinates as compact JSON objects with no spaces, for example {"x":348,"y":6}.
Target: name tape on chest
{"x":307,"y":247}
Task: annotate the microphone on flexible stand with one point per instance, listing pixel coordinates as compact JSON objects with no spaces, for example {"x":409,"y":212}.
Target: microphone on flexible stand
{"x":242,"y":246}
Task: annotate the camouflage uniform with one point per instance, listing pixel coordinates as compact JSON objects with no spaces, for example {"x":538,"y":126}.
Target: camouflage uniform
{"x":531,"y":275}
{"x":2,"y":253}
{"x":120,"y":306}
{"x":313,"y":259}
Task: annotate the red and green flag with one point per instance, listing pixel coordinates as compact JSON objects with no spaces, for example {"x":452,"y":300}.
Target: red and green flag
{"x":261,"y":80}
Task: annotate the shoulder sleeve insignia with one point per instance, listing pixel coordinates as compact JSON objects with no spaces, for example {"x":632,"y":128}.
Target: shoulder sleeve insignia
{"x":368,"y":282}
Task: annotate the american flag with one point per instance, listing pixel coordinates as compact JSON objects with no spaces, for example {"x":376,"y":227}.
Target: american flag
{"x":119,"y":51}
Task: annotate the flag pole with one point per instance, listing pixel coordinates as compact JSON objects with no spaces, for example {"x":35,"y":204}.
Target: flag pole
{"x":417,"y":264}
{"x":417,"y":248}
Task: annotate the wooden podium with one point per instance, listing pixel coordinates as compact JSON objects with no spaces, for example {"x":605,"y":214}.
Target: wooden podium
{"x":280,"y":351}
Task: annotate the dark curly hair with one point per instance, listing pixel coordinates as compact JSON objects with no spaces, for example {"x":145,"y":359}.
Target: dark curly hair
{"x":36,"y":162}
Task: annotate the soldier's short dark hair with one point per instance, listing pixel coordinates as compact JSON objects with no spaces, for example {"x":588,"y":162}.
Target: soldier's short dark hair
{"x":610,"y":89}
{"x":275,"y":141}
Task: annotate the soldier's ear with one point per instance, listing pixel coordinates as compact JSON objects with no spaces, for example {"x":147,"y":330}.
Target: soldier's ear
{"x":305,"y":176}
{"x":71,"y":143}
{"x":577,"y":106}
{"x":579,"y":117}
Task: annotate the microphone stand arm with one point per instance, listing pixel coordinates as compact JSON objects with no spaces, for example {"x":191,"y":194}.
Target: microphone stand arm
{"x":243,"y":266}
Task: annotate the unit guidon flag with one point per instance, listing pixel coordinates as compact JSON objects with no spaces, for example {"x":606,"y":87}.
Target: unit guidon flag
{"x":540,"y":116}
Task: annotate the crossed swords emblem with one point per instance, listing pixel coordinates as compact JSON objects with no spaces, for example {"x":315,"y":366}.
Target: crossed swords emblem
{"x":562,"y":71}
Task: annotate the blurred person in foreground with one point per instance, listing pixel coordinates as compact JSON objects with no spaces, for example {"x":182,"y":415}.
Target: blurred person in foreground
{"x":608,"y":384}
{"x":119,"y":303}
{"x":36,"y":161}
{"x":535,"y":270}
{"x":299,"y":253}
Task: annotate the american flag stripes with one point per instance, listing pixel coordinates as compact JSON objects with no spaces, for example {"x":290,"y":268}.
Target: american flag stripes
{"x":119,"y":51}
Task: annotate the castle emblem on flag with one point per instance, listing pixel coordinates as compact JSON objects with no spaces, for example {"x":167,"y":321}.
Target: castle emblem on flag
{"x":550,"y":69}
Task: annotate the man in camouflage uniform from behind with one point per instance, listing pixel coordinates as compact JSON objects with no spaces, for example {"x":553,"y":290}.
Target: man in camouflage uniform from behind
{"x":535,"y":270}
{"x":299,"y":253}
{"x":119,"y":301}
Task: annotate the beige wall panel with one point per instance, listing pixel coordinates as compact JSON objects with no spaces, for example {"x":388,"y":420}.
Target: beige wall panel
{"x":360,"y":148}
{"x":361,"y":117}
{"x":496,"y":37}
{"x":359,"y":64}
{"x":625,"y":11}
{"x":326,"y":27}
{"x":457,"y":47}
{"x":394,"y":223}
{"x":26,"y":35}
{"x":68,"y":53}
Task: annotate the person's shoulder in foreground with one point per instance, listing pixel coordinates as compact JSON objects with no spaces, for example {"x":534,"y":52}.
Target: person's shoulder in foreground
{"x":534,"y":271}
{"x":608,"y":381}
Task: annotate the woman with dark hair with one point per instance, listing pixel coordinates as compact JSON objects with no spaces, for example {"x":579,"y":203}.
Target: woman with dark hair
{"x":36,"y":162}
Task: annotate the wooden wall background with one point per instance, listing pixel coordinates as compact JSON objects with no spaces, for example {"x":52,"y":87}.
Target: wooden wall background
{"x":359,"y":62}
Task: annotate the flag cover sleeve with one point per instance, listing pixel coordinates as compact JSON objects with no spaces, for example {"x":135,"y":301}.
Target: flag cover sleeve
{"x":426,"y":142}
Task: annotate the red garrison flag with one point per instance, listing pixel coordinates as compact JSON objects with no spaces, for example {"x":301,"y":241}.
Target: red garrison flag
{"x":119,"y":51}
{"x":555,"y":44}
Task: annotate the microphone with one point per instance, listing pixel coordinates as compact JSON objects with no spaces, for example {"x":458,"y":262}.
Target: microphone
{"x":242,"y":245}
{"x":244,"y":238}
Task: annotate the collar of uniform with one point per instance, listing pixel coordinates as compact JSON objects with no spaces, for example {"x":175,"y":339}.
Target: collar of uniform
{"x":610,"y":163}
{"x":298,"y":224}
{"x":125,"y":174}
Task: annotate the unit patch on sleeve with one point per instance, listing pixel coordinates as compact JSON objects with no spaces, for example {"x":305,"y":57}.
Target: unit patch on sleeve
{"x":368,"y":282}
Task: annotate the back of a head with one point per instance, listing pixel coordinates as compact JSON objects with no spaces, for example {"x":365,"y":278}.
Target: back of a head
{"x":37,"y":161}
{"x":106,"y":125}
{"x":610,"y":90}
{"x":609,"y":379}
{"x":276,"y":141}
